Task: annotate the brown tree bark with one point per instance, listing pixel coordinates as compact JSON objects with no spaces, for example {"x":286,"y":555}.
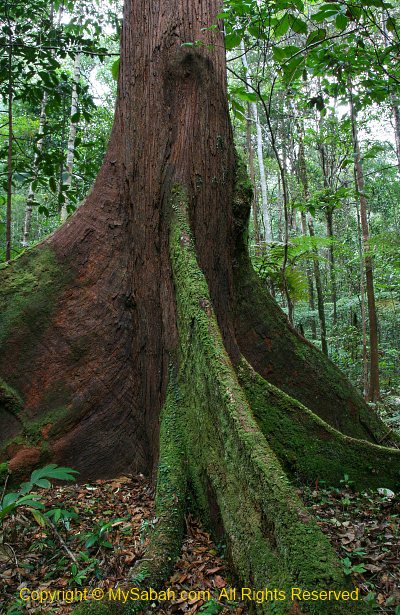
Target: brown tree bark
{"x":118,"y":307}
{"x":124,"y":336}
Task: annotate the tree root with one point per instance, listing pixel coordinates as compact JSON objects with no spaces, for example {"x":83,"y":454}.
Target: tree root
{"x":236,"y":478}
{"x":167,"y":532}
{"x":166,"y":537}
{"x":306,"y":445}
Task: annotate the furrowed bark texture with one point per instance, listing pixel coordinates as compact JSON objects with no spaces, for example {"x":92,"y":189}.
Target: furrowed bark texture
{"x":146,"y":300}
{"x":112,"y":300}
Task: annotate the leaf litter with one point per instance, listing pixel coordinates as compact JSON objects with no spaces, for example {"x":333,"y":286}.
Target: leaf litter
{"x":103,"y":529}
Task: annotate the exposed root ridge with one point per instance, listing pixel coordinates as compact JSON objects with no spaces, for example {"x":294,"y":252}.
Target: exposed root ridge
{"x":306,"y":445}
{"x":237,"y":480}
{"x":166,"y":537}
{"x":167,"y":534}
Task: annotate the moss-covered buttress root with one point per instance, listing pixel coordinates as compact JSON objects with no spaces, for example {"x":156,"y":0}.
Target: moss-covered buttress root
{"x":310,"y":448}
{"x":208,"y":433}
{"x":236,"y":478}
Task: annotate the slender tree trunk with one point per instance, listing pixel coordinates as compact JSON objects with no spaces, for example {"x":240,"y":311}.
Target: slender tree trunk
{"x":327,"y":178}
{"x":31,"y":192}
{"x":331,"y":260}
{"x":374,"y":389}
{"x":260,"y":151}
{"x":396,"y":118}
{"x":306,"y":192}
{"x":250,"y":151}
{"x":10,"y":151}
{"x":72,"y":132}
{"x":311,"y":300}
{"x":394,"y":99}
{"x":320,"y":294}
{"x":285,"y":197}
{"x":317,"y":271}
{"x":363,"y":311}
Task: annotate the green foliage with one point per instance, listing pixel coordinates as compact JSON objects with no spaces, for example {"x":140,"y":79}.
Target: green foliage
{"x":97,"y":538}
{"x":24,"y":496}
{"x":349,"y":568}
{"x":212,"y":607}
{"x":39,"y":73}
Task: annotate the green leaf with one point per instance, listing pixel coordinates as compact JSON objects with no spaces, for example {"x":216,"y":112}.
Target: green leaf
{"x":43,"y":483}
{"x":42,"y":209}
{"x":282,"y":26}
{"x":9,"y":499}
{"x":91,"y":541}
{"x":39,"y":518}
{"x":316,"y":36}
{"x":115,"y":68}
{"x":341,"y":22}
{"x":232,"y":40}
{"x":243,"y":94}
{"x":53,"y":471}
{"x":107,"y":544}
{"x":391,"y":25}
{"x":298,"y":25}
{"x":279,"y":54}
{"x":53,"y":184}
{"x":358,"y":568}
{"x":293,"y":69}
{"x":327,"y":12}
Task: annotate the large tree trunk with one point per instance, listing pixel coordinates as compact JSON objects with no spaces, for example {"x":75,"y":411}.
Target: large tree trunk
{"x":135,"y":333}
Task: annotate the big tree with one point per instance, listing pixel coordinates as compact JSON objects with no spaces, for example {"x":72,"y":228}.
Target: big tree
{"x":138,"y":338}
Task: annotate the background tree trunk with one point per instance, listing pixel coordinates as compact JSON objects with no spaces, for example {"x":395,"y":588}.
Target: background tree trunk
{"x":250,"y":152}
{"x":31,"y":192}
{"x":72,"y":132}
{"x":260,"y":151}
{"x":374,"y":389}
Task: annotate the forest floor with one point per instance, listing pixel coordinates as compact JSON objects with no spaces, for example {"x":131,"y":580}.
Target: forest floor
{"x":104,"y":530}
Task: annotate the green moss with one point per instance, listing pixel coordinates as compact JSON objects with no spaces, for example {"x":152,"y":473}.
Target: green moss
{"x":102,"y":608}
{"x":3,"y":471}
{"x":307,"y":446}
{"x":29,"y":290}
{"x":166,"y":536}
{"x":32,"y":429}
{"x":236,"y":478}
{"x":10,"y":400}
